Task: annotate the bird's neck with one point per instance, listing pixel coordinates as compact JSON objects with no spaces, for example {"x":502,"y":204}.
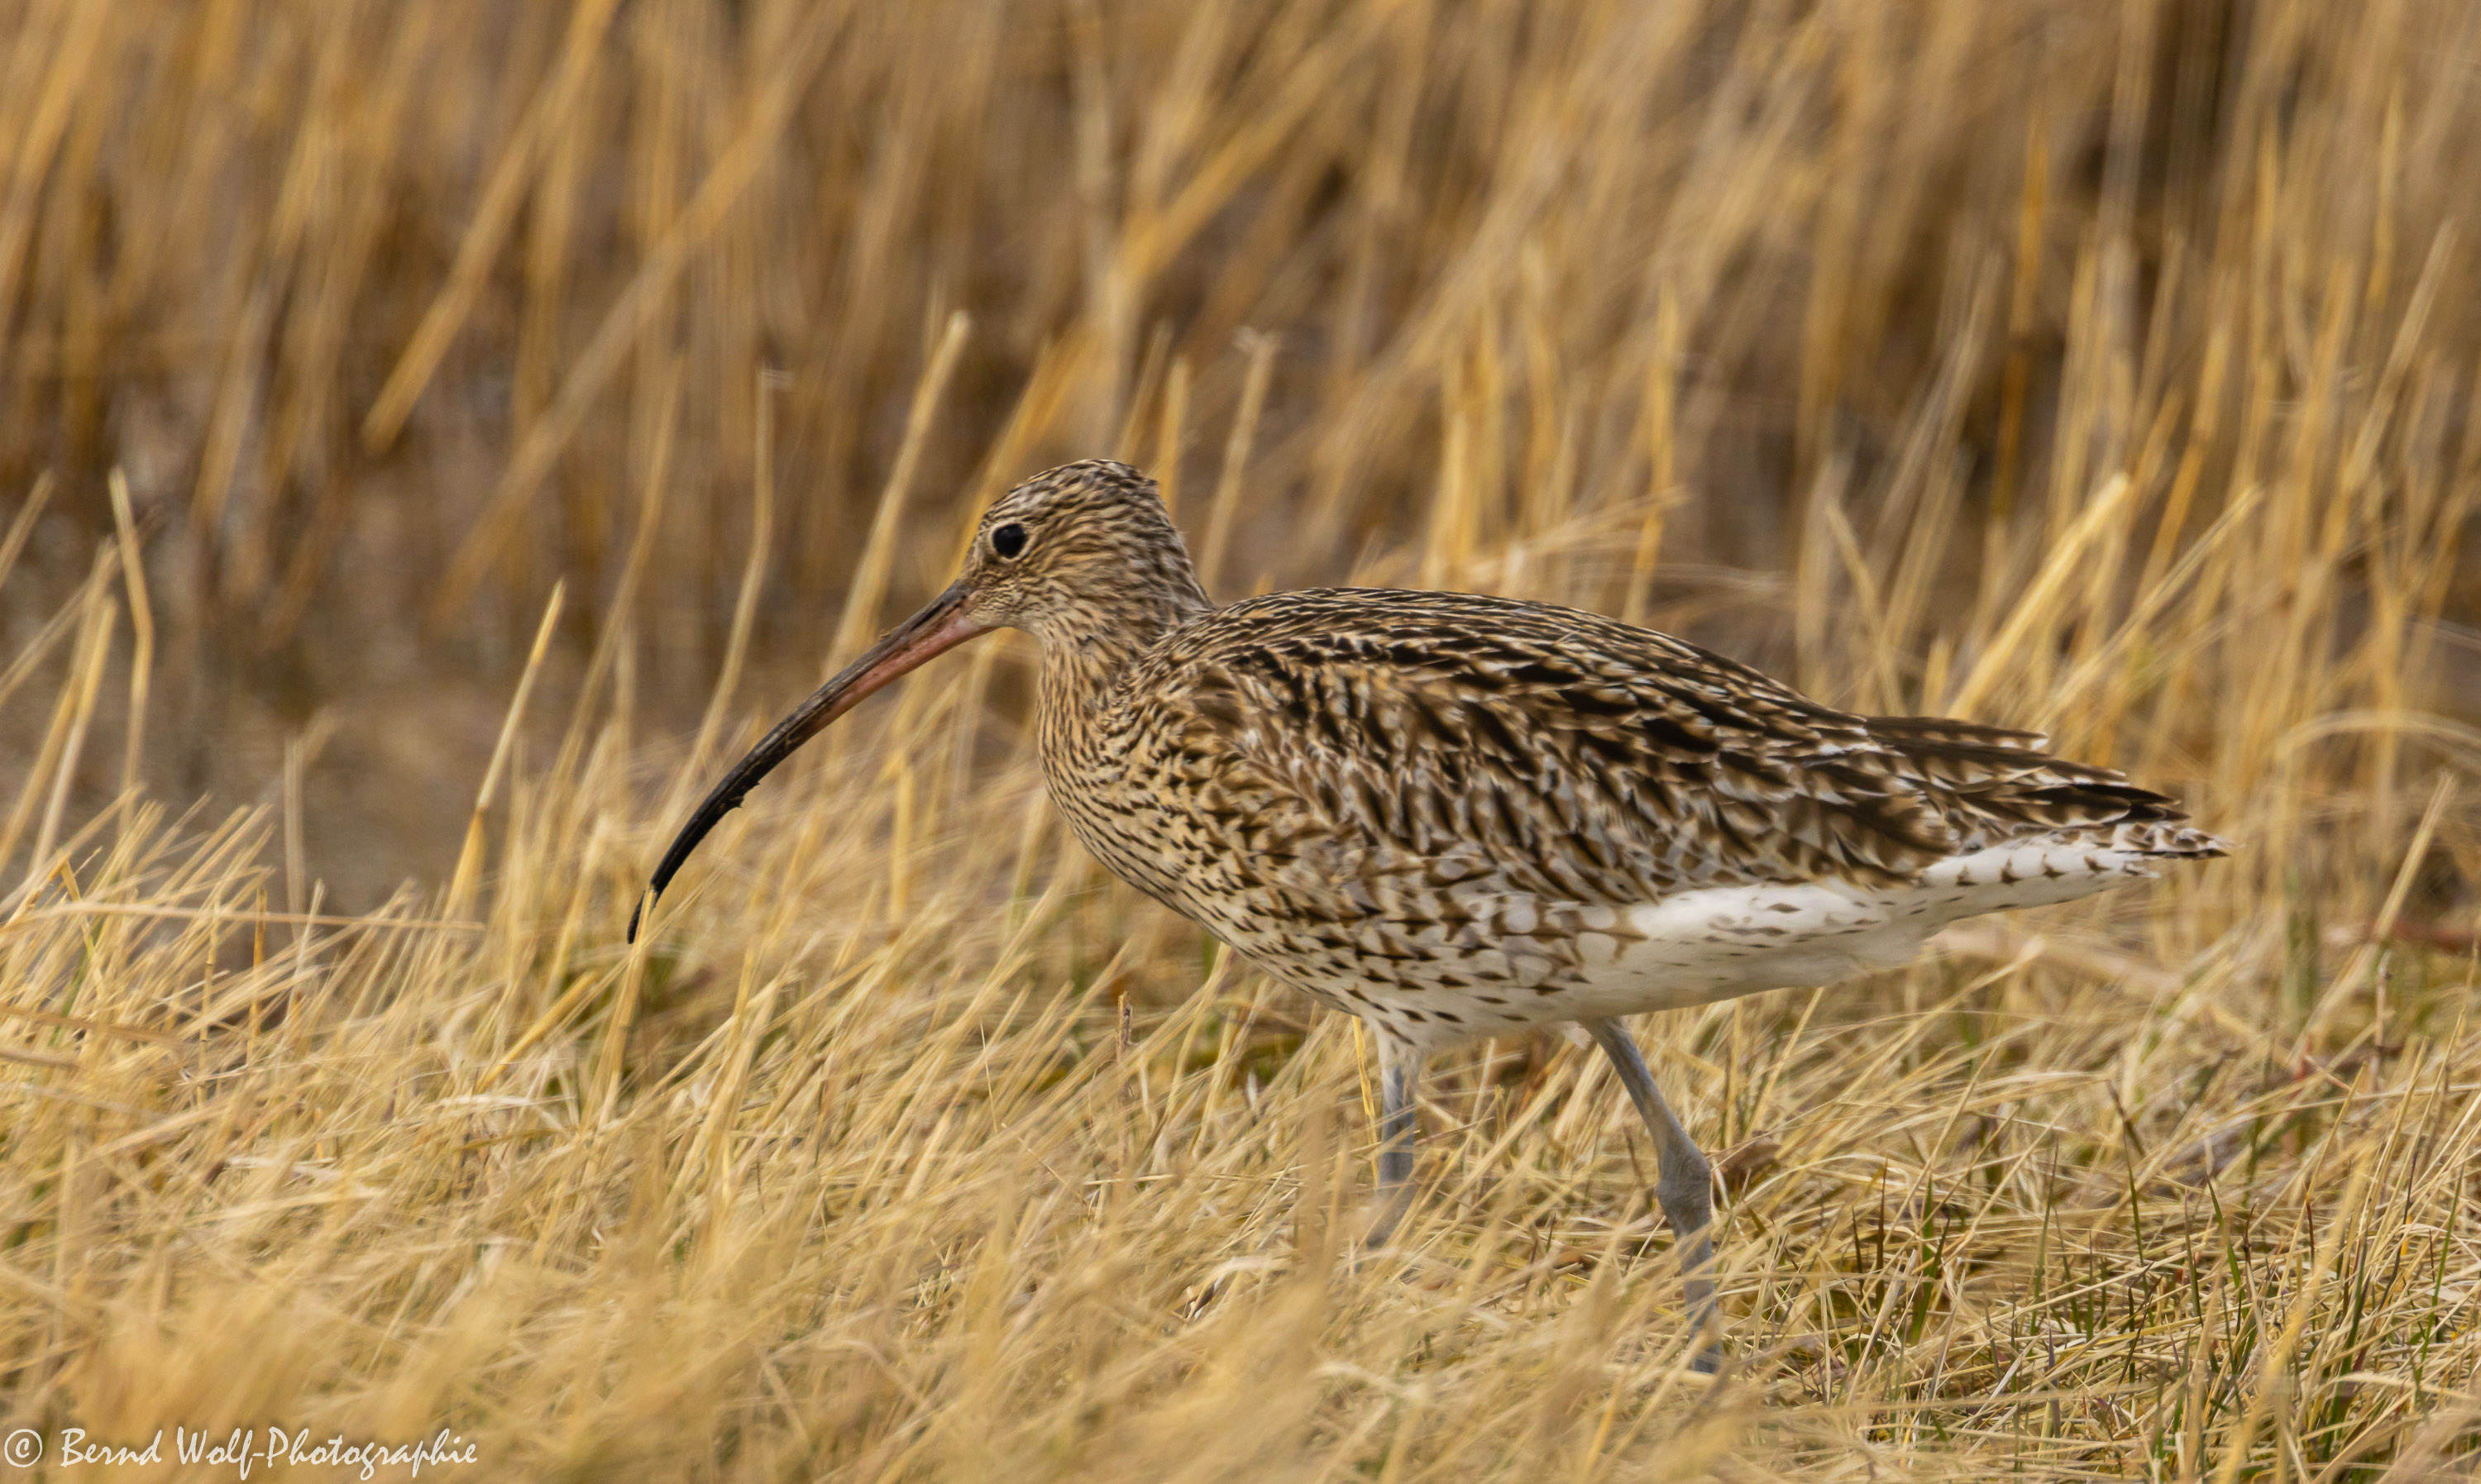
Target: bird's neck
{"x":1085,"y":652}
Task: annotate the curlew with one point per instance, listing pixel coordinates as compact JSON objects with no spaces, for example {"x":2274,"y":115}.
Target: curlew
{"x":1457,"y":815}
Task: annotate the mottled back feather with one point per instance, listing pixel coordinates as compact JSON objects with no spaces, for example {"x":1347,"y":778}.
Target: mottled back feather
{"x":1568,"y":754}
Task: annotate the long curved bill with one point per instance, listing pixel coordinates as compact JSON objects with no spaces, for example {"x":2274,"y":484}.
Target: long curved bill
{"x":941,"y":626}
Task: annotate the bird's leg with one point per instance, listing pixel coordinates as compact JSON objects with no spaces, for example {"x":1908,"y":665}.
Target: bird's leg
{"x":1683,"y":1183}
{"x":1399,"y":1078}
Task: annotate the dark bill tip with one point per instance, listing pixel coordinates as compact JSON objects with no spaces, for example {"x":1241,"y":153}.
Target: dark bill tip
{"x":940,"y":625}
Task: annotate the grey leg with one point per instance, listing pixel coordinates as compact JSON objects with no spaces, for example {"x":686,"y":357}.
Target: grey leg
{"x":1683,"y":1182}
{"x":1399,"y":1078}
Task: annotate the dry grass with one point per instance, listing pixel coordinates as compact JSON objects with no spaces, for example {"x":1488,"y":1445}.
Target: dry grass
{"x":2108,"y":369}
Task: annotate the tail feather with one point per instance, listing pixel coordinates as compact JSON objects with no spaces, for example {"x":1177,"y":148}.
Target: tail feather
{"x":1993,"y":785}
{"x":1901,"y":730}
{"x":2177,"y":841}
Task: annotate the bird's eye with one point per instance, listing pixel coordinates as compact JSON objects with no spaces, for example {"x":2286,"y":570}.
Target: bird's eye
{"x":1008,"y":540}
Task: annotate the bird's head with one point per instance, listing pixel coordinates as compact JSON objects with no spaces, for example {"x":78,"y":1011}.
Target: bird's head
{"x":1078,"y":548}
{"x":1084,"y":557}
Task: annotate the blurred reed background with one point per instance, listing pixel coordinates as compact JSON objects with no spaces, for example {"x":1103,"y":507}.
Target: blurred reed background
{"x":2107,"y":368}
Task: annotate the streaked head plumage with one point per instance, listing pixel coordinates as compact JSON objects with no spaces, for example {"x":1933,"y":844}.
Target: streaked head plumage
{"x":1086,"y":542}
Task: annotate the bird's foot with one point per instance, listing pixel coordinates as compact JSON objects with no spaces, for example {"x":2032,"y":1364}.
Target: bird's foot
{"x":1392,"y":1206}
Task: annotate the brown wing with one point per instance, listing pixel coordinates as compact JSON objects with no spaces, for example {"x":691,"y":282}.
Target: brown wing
{"x":1363,"y":731}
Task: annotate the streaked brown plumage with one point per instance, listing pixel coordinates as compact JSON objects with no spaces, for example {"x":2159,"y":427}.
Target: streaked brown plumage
{"x":1454,"y":816}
